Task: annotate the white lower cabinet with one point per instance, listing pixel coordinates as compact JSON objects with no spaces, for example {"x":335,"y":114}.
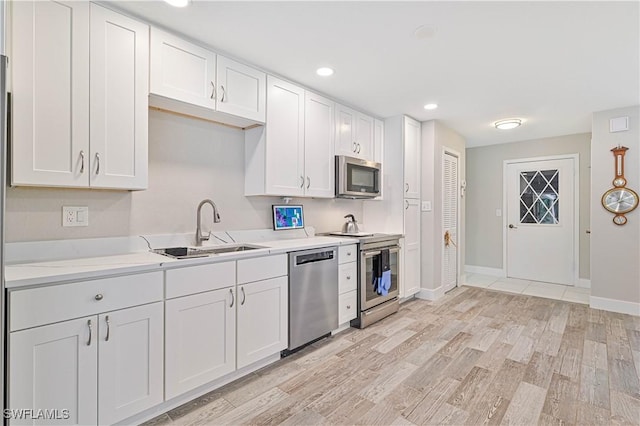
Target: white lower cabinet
{"x":347,"y":305}
{"x":262,"y":319}
{"x":347,"y":283}
{"x":102,"y":369}
{"x":56,"y":367}
{"x":200,"y":338}
{"x":130,"y":367}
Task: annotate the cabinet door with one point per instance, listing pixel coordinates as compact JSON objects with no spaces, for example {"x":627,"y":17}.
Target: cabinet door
{"x":319,"y":134}
{"x":378,"y":140}
{"x":200,"y":345}
{"x":364,"y":137}
{"x":346,"y":143}
{"x":241,"y":90}
{"x":55,"y":367}
{"x":411,"y":247}
{"x":262,"y":319}
{"x":182,"y":71}
{"x":130,"y":378}
{"x":50,"y":71}
{"x":411,"y":158}
{"x":285,"y":139}
{"x":119,"y":66}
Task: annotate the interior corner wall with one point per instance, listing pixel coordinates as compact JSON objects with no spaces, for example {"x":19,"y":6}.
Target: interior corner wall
{"x":484,"y":194}
{"x":615,"y":250}
{"x":435,"y":138}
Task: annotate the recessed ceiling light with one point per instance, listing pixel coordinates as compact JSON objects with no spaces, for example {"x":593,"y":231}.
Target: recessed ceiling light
{"x":508,"y":124}
{"x":324,"y":71}
{"x":431,"y":106}
{"x":178,"y":3}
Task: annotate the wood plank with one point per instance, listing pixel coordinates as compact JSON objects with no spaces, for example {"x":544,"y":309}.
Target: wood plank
{"x":387,"y":382}
{"x":596,"y":332}
{"x":592,"y":415}
{"x":471,"y":388}
{"x":391,"y":342}
{"x":484,"y":339}
{"x":526,"y":405}
{"x":425,"y":377}
{"x":508,"y":378}
{"x":549,"y":343}
{"x":463,"y":364}
{"x":539,"y":370}
{"x":594,"y":386}
{"x":455,"y":345}
{"x":522,"y":350}
{"x":245,"y":411}
{"x":206,"y":414}
{"x":432,"y":401}
{"x":353,"y":407}
{"x":422,"y":354}
{"x":595,"y":354}
{"x":561,"y":402}
{"x":623,"y":377}
{"x":625,"y":409}
{"x":489,"y":410}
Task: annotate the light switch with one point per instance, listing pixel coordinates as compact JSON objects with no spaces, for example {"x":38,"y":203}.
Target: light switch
{"x":75,"y":216}
{"x":426,"y":206}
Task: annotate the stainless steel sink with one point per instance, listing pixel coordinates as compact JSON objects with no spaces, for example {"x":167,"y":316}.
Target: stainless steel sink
{"x":193,"y":252}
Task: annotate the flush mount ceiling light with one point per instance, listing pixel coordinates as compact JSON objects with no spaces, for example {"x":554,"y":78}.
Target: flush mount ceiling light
{"x":177,"y":3}
{"x":508,"y":124}
{"x":324,"y":71}
{"x":431,"y":106}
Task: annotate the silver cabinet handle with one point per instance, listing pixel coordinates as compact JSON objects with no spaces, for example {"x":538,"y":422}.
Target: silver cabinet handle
{"x":213,"y":90}
{"x":81,"y":161}
{"x":308,"y":182}
{"x":511,"y":226}
{"x":98,"y":163}
{"x":406,"y":187}
{"x":224,"y":93}
{"x":406,"y":205}
{"x":106,"y":339}
{"x":348,"y":253}
{"x":348,"y":277}
{"x":233,"y":299}
{"x":301,"y":181}
{"x":244,"y":296}
{"x":348,"y":306}
{"x":90,"y":332}
{"x":358,"y":152}
{"x":355,"y":146}
{"x":99,"y":297}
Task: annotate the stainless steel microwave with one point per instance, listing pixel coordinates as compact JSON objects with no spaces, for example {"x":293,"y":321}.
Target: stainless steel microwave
{"x":356,"y":178}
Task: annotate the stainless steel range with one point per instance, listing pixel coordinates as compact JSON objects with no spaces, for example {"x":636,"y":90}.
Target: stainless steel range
{"x":377,"y":251}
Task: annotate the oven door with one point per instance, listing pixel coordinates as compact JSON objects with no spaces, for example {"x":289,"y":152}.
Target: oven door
{"x":369,"y":297}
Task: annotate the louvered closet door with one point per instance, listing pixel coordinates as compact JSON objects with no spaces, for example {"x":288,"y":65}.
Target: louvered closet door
{"x":450,"y":221}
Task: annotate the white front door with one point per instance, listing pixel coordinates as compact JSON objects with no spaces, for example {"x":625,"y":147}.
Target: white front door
{"x":450,"y":221}
{"x":541,"y":220}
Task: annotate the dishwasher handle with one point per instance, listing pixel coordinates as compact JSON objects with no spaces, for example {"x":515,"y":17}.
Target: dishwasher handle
{"x":319,"y":256}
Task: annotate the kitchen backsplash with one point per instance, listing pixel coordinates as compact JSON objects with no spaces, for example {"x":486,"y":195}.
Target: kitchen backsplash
{"x":189,"y":160}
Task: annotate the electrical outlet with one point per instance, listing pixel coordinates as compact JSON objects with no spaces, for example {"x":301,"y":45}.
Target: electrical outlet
{"x":75,"y":216}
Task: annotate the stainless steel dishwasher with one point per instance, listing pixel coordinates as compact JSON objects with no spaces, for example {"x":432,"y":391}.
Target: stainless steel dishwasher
{"x":313,"y":295}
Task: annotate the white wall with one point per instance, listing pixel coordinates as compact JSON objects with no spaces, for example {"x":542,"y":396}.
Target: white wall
{"x":615,"y":250}
{"x":436,"y":137}
{"x":484,"y":194}
{"x":189,"y":160}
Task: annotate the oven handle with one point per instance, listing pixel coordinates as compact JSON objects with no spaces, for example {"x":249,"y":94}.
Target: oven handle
{"x":377,"y":252}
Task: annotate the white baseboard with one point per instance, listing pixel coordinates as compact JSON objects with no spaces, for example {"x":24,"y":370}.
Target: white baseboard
{"x":584,"y":283}
{"x":493,"y":272}
{"x":614,"y":305}
{"x":430,"y":293}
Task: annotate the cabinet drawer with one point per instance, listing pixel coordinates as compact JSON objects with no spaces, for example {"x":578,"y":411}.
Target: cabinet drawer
{"x":45,"y":305}
{"x":347,"y":277}
{"x":348,"y":253}
{"x":198,"y":279}
{"x":262,"y":268}
{"x":347,"y":306}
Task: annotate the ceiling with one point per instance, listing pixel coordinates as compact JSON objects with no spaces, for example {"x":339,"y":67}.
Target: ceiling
{"x":551,"y":63}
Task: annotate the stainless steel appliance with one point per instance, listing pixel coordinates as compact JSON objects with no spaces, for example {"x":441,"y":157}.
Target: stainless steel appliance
{"x":3,"y":168}
{"x":351,"y":225}
{"x":313,"y":296}
{"x":356,"y":178}
{"x":373,"y":306}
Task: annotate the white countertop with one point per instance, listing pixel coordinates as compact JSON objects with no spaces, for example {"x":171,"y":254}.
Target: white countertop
{"x":59,"y":271}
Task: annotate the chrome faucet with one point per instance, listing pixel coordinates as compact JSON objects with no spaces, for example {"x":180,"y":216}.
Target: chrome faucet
{"x":216,"y":219}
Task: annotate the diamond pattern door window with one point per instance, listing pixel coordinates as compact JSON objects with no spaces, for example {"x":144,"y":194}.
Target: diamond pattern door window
{"x":539,"y":197}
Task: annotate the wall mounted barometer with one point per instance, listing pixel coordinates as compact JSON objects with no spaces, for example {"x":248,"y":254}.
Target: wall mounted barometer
{"x":619,"y":200}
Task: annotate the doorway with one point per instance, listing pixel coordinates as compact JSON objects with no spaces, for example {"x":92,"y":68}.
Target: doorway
{"x":540,"y":241}
{"x":450,"y":212}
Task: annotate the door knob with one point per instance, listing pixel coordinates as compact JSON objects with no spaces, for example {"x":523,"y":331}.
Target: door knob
{"x":512,"y":227}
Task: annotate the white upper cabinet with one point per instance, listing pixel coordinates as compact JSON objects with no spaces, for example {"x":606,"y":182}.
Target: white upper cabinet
{"x":354,"y":133}
{"x":50,"y":111}
{"x":319,"y":133}
{"x":204,"y":84}
{"x":411,"y":158}
{"x":119,"y":69}
{"x":80,"y":106}
{"x":182,"y":71}
{"x":241,"y":90}
{"x":284,"y":138}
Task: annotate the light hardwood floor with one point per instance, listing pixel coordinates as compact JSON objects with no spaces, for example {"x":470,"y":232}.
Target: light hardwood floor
{"x":474,"y":357}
